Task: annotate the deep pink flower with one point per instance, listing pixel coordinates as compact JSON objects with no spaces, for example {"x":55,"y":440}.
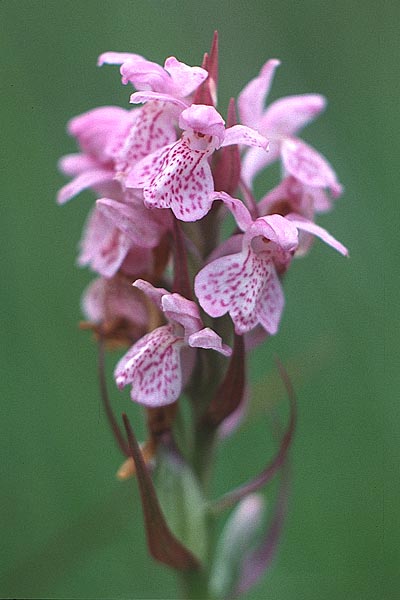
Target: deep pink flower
{"x":178,"y":176}
{"x":280,"y":122}
{"x":245,"y":284}
{"x":153,"y":365}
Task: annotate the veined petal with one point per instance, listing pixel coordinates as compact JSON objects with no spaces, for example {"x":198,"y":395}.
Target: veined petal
{"x":288,"y":115}
{"x":207,"y":338}
{"x":270,"y":303}
{"x":232,"y":284}
{"x":310,"y":227}
{"x":82,"y":182}
{"x":240,"y":134}
{"x":152,"y":130}
{"x":148,"y":168}
{"x":310,"y":167}
{"x":145,"y":75}
{"x":185,"y":78}
{"x":183,"y":182}
{"x":153,"y":368}
{"x":252,"y":98}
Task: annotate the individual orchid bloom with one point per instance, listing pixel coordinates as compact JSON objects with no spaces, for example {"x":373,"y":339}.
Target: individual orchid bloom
{"x":292,"y":196}
{"x":280,"y":122}
{"x":142,"y":226}
{"x":107,"y":301}
{"x":106,"y":248}
{"x":155,"y":124}
{"x":246,"y":284}
{"x":97,"y":132}
{"x":176,"y":78}
{"x":178,"y":176}
{"x":153,"y":365}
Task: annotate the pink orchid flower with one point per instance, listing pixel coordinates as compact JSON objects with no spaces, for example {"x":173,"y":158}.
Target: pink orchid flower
{"x":246,"y":284}
{"x":280,"y":122}
{"x":97,"y":132}
{"x":178,"y":176}
{"x":153,"y":365}
{"x":154,"y":125}
{"x":106,"y":248}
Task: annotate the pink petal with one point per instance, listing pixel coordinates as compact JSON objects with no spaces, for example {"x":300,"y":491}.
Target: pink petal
{"x":240,"y":134}
{"x":207,"y":338}
{"x":148,"y":168}
{"x":310,"y":227}
{"x":232,"y":284}
{"x":75,"y":164}
{"x":203,"y":119}
{"x":306,"y":164}
{"x":183,"y":182}
{"x":135,"y":220}
{"x":186,"y":79}
{"x":145,"y":75}
{"x":270,"y":303}
{"x":252,"y":98}
{"x":153,"y":368}
{"x":82,"y":182}
{"x":96,"y":128}
{"x":103,"y":246}
{"x":236,"y":207}
{"x":288,"y":115}
{"x":183,"y":311}
{"x":106,"y":299}
{"x":116,"y":58}
{"x":155,"y":294}
{"x":140,"y":97}
{"x":274,"y":228}
{"x":152,"y":130}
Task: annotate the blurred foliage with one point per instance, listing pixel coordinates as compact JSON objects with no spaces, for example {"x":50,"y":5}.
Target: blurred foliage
{"x":69,"y":528}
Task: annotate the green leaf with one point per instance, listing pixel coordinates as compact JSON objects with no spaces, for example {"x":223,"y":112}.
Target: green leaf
{"x":238,"y":539}
{"x":182,"y":501}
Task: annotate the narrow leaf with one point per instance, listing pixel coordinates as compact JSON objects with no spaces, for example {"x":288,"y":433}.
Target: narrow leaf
{"x":276,"y":463}
{"x":163,"y":545}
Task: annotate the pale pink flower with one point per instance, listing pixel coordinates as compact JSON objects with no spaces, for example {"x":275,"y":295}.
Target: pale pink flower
{"x":153,"y":365}
{"x":109,"y":299}
{"x":246,"y":284}
{"x":97,"y":132}
{"x":280,"y":122}
{"x":178,"y":176}
{"x":154,"y":125}
{"x":105,"y":248}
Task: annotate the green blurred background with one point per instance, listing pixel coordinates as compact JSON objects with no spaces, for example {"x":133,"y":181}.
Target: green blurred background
{"x":68,"y":528}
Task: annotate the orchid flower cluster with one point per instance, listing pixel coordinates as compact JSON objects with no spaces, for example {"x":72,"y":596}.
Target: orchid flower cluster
{"x":189,"y":270}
